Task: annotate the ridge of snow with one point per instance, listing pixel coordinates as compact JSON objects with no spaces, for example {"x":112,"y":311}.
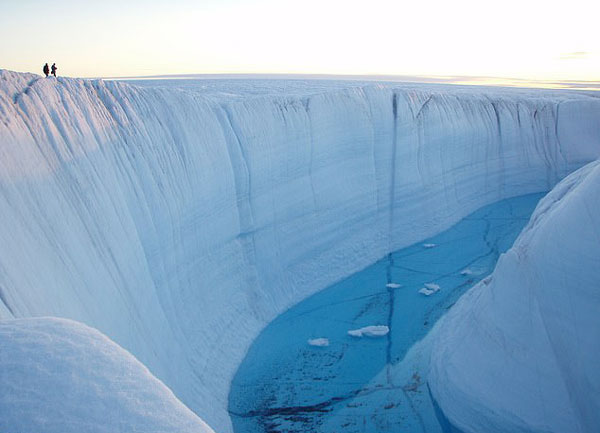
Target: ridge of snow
{"x":61,"y":376}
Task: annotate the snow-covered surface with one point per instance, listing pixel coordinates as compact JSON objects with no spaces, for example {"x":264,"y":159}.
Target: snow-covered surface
{"x":168,"y":216}
{"x":61,"y":376}
{"x":520,"y":351}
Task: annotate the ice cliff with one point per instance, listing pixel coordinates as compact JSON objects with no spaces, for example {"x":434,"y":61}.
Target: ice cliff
{"x":179,"y":223}
{"x":530,"y":331}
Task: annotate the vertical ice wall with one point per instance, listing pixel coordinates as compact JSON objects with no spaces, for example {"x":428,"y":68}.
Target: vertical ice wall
{"x":180,"y":225}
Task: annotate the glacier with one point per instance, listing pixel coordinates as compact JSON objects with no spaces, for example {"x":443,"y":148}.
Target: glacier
{"x":180,"y":219}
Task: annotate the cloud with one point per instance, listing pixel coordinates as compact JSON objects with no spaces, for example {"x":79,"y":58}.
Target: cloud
{"x":582,"y":85}
{"x":577,"y":55}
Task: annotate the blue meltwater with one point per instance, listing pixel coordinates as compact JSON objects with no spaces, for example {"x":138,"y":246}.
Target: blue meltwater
{"x":353,"y":357}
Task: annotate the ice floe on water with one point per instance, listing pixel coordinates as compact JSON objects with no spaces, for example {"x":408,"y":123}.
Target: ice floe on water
{"x":472,"y":271}
{"x":429,"y":245}
{"x":426,"y":292}
{"x":393,"y":285}
{"x":429,"y":289}
{"x":318,"y":342}
{"x":370,"y":331}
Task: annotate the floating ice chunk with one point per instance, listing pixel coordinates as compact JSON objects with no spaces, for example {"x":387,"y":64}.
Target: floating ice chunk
{"x":429,"y":245}
{"x":432,"y":286}
{"x":319,"y":342}
{"x":370,"y":331}
{"x":429,"y":289}
{"x":375,"y":331}
{"x":466,"y":271}
{"x":393,"y":285}
{"x":426,"y":292}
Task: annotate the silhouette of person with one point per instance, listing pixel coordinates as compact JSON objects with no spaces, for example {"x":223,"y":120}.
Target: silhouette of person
{"x":46,"y":69}
{"x":54,"y":68}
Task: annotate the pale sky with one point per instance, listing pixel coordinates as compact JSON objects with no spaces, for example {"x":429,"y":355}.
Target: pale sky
{"x":541,"y":40}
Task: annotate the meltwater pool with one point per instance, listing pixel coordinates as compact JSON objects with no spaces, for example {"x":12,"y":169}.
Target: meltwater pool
{"x":333,"y":362}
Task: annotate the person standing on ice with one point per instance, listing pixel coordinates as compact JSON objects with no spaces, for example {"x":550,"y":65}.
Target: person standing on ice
{"x":46,"y":69}
{"x":54,"y":68}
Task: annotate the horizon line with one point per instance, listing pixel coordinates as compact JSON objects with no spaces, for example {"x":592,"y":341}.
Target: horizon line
{"x":482,"y":80}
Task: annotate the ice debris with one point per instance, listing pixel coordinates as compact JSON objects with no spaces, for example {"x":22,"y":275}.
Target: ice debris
{"x":393,"y":285}
{"x":429,"y":245}
{"x":429,"y":289}
{"x":319,"y":342}
{"x":370,"y":331}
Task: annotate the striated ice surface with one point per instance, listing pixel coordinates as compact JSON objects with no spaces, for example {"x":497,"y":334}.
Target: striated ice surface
{"x":519,"y":352}
{"x":167,"y":217}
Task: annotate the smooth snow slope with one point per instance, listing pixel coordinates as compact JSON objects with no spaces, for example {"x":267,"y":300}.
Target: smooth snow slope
{"x":519,"y":352}
{"x":179,"y":223}
{"x":60,"y":376}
